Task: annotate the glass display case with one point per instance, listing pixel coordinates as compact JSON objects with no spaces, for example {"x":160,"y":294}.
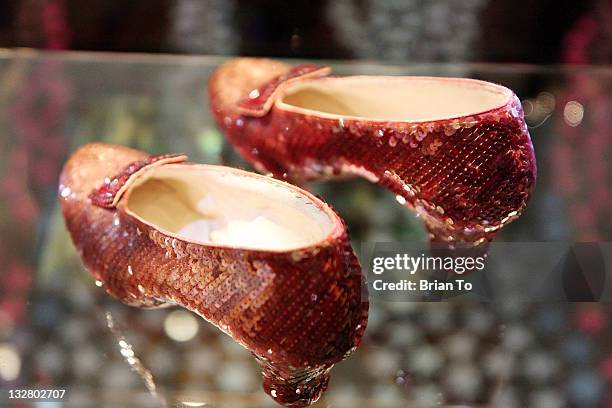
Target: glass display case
{"x":59,"y":330}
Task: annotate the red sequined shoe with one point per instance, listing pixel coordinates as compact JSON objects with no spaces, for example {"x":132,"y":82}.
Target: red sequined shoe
{"x":455,"y":150}
{"x":266,"y":262}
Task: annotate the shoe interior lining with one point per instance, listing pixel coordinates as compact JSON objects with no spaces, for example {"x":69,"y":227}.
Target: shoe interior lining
{"x":216,"y":206}
{"x":412,"y":99}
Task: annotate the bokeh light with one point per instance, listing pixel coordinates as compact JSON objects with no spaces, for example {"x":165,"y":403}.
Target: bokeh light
{"x":539,"y":109}
{"x":10,"y":363}
{"x":573,"y":113}
{"x":180,"y":325}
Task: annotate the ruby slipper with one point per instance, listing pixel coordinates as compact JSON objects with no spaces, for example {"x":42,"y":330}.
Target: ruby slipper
{"x":455,"y":150}
{"x":266,"y":262}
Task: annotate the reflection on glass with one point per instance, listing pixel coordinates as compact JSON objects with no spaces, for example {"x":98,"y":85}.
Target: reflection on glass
{"x":135,"y":363}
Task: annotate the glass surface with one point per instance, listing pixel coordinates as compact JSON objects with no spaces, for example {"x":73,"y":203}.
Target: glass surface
{"x":57,"y":329}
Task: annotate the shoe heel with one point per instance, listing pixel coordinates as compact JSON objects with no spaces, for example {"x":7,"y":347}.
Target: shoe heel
{"x":294,"y":387}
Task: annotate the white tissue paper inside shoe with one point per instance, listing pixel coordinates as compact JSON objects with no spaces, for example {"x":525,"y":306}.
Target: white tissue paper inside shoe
{"x":259,"y":232}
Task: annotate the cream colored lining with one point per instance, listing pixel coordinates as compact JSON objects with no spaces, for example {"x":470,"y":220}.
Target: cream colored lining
{"x":410,"y":99}
{"x":211,"y":204}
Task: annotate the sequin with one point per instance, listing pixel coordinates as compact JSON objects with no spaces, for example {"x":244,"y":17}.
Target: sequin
{"x":257,"y":297}
{"x":479,"y":168}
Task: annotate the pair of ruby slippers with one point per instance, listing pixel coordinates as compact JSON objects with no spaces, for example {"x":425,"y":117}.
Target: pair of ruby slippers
{"x":267,"y":262}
